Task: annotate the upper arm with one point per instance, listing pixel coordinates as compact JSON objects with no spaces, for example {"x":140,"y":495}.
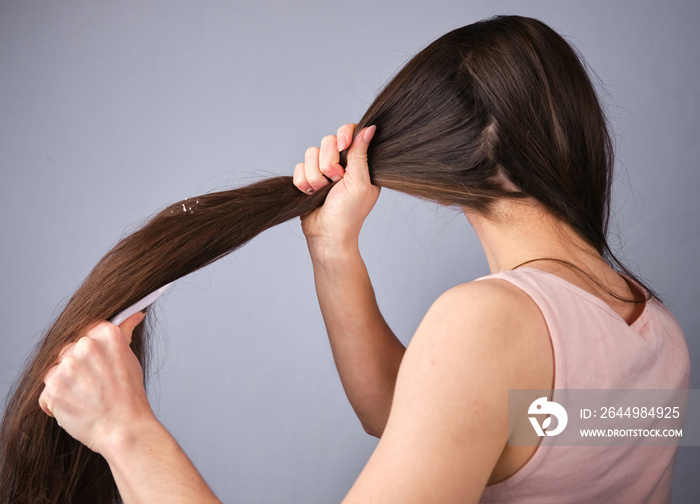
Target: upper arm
{"x":448,"y":423}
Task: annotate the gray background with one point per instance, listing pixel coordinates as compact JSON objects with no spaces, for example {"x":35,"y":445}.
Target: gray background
{"x":111,"y":110}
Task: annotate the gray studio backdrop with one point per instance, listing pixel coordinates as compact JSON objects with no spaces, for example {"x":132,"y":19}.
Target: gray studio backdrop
{"x":111,"y":110}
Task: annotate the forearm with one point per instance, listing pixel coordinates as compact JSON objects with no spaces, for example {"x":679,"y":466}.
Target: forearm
{"x":150,"y":467}
{"x":366,"y":351}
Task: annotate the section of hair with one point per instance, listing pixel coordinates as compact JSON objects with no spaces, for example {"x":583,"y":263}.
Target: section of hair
{"x":39,"y":461}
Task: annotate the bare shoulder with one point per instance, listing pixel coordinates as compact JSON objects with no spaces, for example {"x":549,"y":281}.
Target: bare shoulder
{"x":488,"y":297}
{"x":496,"y":323}
{"x":494,"y":302}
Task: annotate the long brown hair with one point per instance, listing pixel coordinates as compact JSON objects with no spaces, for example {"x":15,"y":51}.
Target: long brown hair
{"x":504,"y":98}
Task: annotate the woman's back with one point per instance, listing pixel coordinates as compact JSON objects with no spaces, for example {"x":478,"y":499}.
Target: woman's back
{"x":595,"y":348}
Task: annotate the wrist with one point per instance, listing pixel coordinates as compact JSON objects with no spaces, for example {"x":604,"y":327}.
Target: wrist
{"x":331,"y":253}
{"x":121,"y":443}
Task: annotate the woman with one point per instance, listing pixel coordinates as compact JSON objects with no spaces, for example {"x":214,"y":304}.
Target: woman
{"x":499,"y":118}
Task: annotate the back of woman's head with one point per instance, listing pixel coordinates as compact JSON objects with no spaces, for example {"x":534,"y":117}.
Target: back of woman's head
{"x":506,"y":99}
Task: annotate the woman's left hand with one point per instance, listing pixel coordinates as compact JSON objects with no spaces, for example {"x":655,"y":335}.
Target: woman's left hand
{"x":96,"y":390}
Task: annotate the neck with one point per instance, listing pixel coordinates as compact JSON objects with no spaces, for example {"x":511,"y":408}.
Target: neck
{"x":523,"y":230}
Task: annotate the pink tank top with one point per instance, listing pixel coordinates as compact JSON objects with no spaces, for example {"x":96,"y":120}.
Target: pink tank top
{"x":649,"y":354}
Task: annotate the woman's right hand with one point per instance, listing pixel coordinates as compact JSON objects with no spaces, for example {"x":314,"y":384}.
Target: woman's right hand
{"x":336,"y":225}
{"x":96,"y":389}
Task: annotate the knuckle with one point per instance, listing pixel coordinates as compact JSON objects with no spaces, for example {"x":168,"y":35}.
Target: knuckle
{"x":327,"y":138}
{"x":65,"y":350}
{"x":296,"y":177}
{"x":114,"y":337}
{"x":84,"y":346}
{"x":311,"y":152}
{"x":98,"y":329}
{"x":44,"y":402}
{"x":102,"y":331}
{"x":356,"y":156}
{"x":329,"y":168}
{"x":49,"y":374}
{"x":317,"y":181}
{"x":68,"y":366}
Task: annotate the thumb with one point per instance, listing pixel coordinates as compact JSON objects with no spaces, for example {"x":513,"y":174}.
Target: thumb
{"x":127,"y":327}
{"x":357,"y":153}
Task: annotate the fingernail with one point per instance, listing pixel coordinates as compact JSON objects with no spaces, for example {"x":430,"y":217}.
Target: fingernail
{"x":336,"y":178}
{"x":369,"y":133}
{"x":342,"y":142}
